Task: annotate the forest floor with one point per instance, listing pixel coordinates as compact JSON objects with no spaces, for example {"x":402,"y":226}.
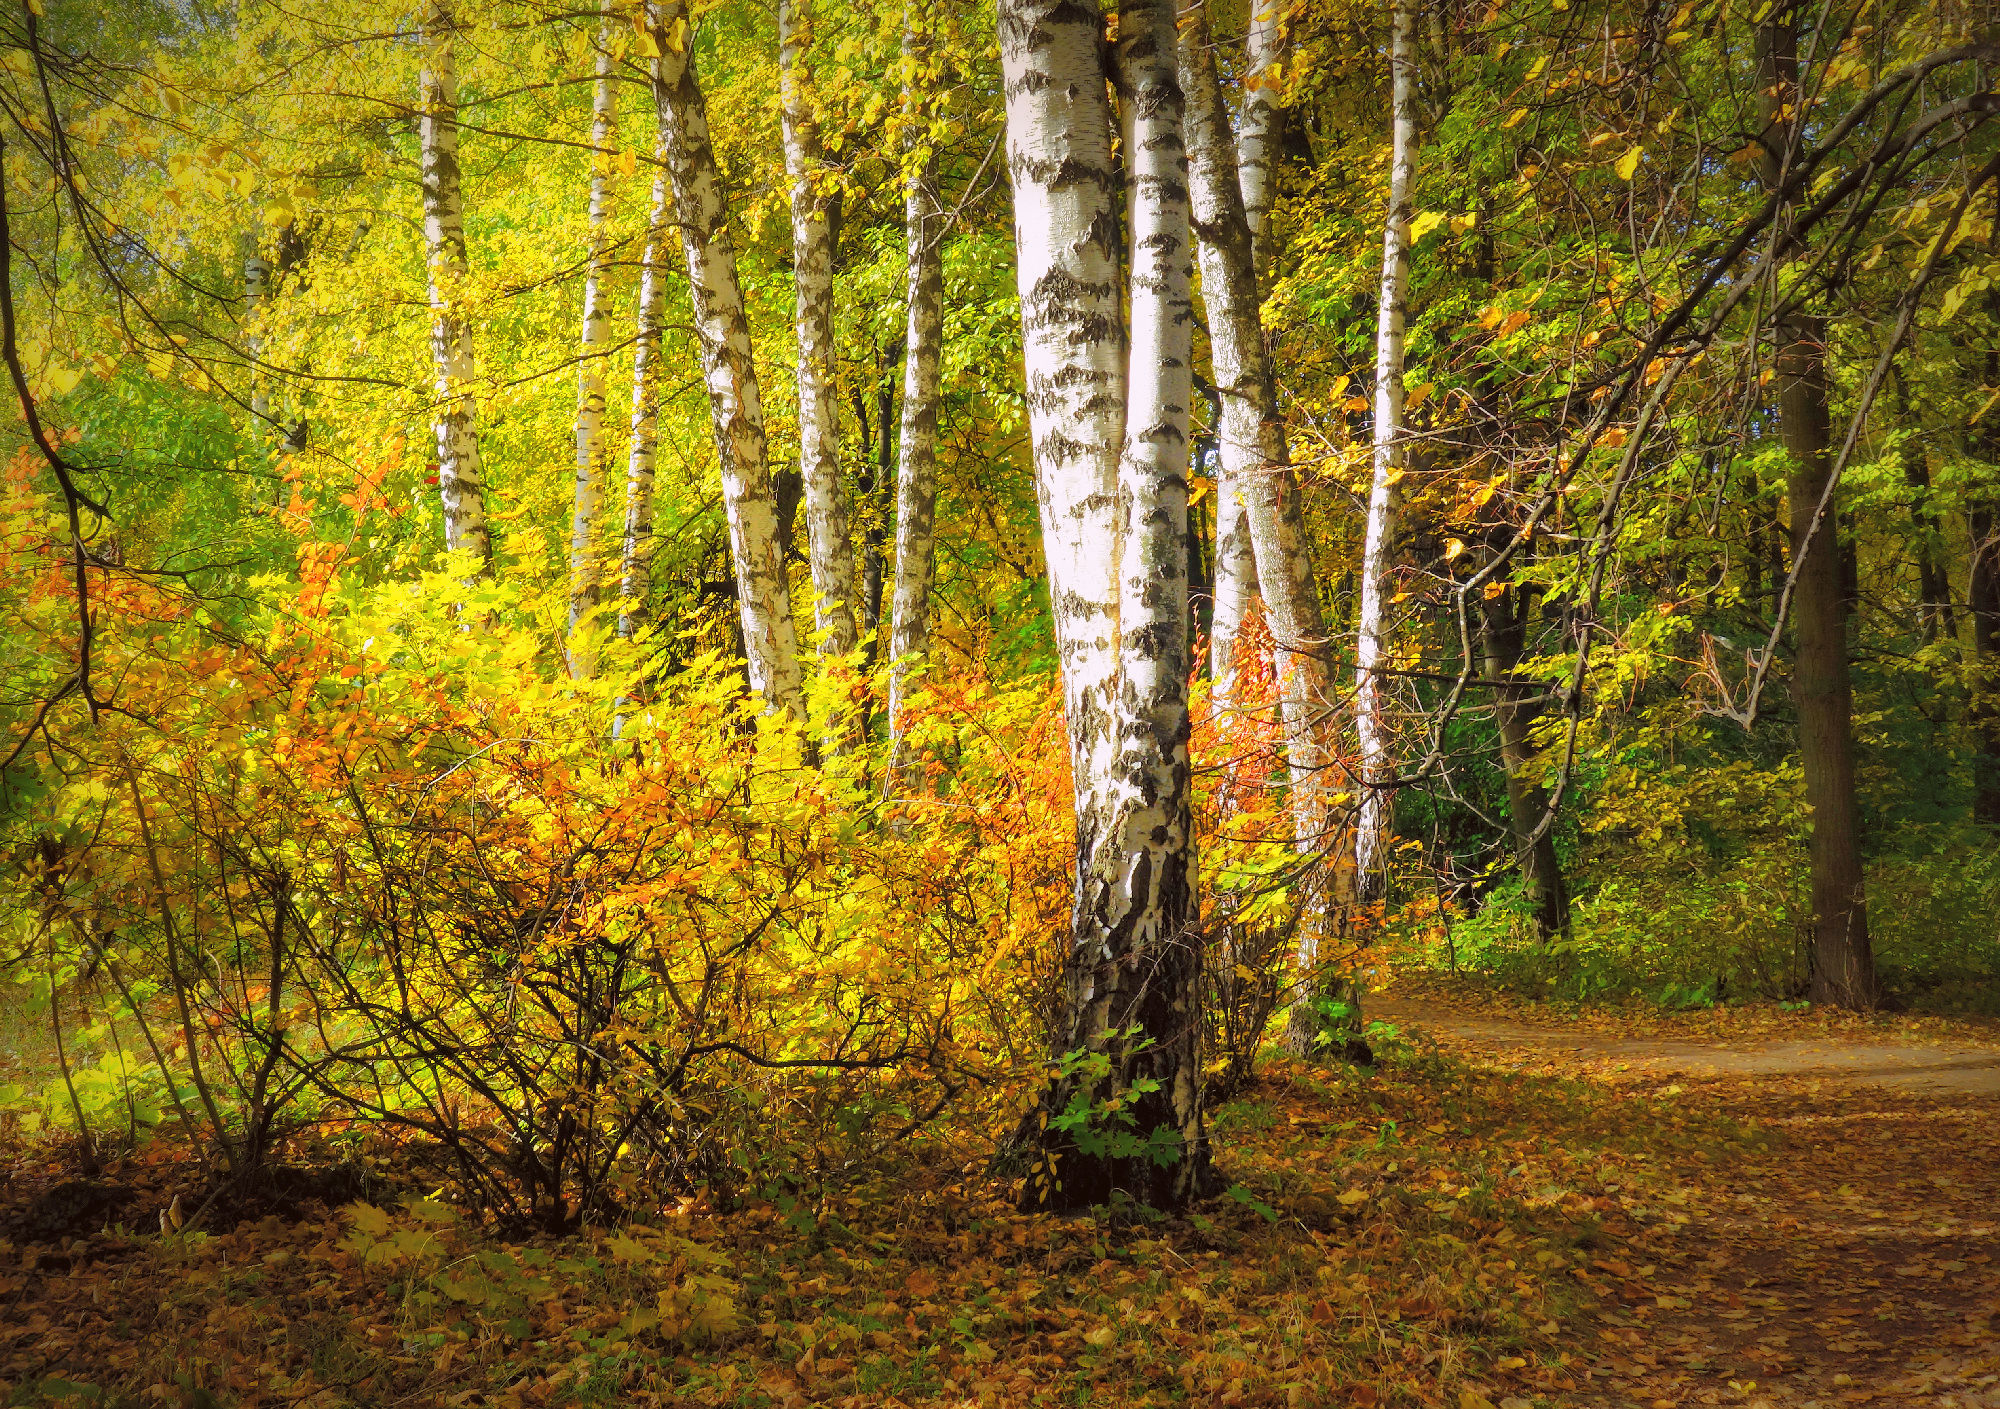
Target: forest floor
{"x":1518,"y":1208}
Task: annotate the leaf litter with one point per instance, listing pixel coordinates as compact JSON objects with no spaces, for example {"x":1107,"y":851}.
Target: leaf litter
{"x":1438,"y":1232}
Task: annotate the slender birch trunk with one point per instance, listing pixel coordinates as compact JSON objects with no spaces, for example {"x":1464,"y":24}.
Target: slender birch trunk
{"x":1255,"y":469}
{"x":1132,"y":977}
{"x":770,"y":638}
{"x":1371,"y":833}
{"x":1261,"y":132}
{"x":1155,"y":850}
{"x":1254,"y":153}
{"x":455,"y":418}
{"x":636,"y":577}
{"x":916,"y":468}
{"x":256,"y":289}
{"x":829,"y":535}
{"x":585,"y":568}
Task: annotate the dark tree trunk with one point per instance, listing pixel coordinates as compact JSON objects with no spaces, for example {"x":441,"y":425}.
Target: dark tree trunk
{"x":1983,"y":598}
{"x":1505,"y":634}
{"x":1934,"y":610}
{"x":1843,"y":964}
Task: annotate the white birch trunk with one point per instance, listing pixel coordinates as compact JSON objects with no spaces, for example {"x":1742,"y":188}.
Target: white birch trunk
{"x":1154,"y":849}
{"x":585,"y":568}
{"x":455,"y":418}
{"x":1260,"y":136}
{"x":635,"y":579}
{"x":1255,"y":460}
{"x":256,"y":288}
{"x":770,"y":637}
{"x":916,"y":467}
{"x":1257,"y":155}
{"x":829,"y":535}
{"x":1371,"y":731}
{"x":1132,"y":967}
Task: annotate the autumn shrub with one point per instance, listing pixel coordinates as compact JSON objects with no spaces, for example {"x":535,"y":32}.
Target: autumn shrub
{"x":584,"y":947}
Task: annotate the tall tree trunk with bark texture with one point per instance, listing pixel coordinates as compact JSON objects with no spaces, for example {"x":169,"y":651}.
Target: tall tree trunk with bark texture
{"x":256,"y":288}
{"x":1504,"y":631}
{"x":916,"y":470}
{"x":635,"y":579}
{"x":1255,"y":473}
{"x":455,"y":418}
{"x":763,"y":596}
{"x":1132,"y":977}
{"x":593,"y":357}
{"x":829,"y":536}
{"x":1261,"y":131}
{"x":1253,"y":152}
{"x":1843,"y":964}
{"x":1255,"y":460}
{"x":1982,"y":596}
{"x":1371,"y":831}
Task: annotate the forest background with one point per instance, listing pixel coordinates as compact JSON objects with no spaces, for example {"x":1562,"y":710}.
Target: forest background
{"x":548,"y":614}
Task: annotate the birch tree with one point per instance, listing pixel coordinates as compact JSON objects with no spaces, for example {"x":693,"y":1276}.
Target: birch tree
{"x":455,"y":414}
{"x":916,"y":468}
{"x":736,"y":407}
{"x":592,"y":360}
{"x":1253,"y":152}
{"x":829,"y":535}
{"x":1255,"y":477}
{"x":1110,"y":451}
{"x":1371,"y":730}
{"x":256,"y":289}
{"x":635,"y":577}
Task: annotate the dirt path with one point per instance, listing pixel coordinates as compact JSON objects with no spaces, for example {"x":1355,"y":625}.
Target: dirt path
{"x":1967,"y":1070}
{"x":1850,"y":1259}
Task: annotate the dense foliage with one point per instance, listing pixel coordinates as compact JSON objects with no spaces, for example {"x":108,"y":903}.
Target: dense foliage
{"x":314,"y":829}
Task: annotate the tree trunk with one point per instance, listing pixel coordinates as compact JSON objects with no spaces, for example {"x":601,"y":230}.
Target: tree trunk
{"x":1256,"y":482}
{"x":1260,"y":135}
{"x":636,"y":577}
{"x":1371,"y":832}
{"x":1504,"y":636}
{"x":1843,"y":966}
{"x":829,"y":538}
{"x":1258,"y":501}
{"x":256,"y":288}
{"x":763,"y":596}
{"x":916,"y":470}
{"x":1130,"y":1027}
{"x":461,"y":486}
{"x":1982,"y":595}
{"x":593,"y":357}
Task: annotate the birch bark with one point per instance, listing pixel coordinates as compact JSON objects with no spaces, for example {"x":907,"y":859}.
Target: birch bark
{"x":1254,"y":154}
{"x":770,"y":638}
{"x":635,"y":581}
{"x":1371,"y":731}
{"x":1132,"y":976}
{"x":1255,"y":460}
{"x":1260,"y":134}
{"x":455,"y":417}
{"x":594,"y":356}
{"x":829,"y":536}
{"x":916,"y":469}
{"x":256,"y":288}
